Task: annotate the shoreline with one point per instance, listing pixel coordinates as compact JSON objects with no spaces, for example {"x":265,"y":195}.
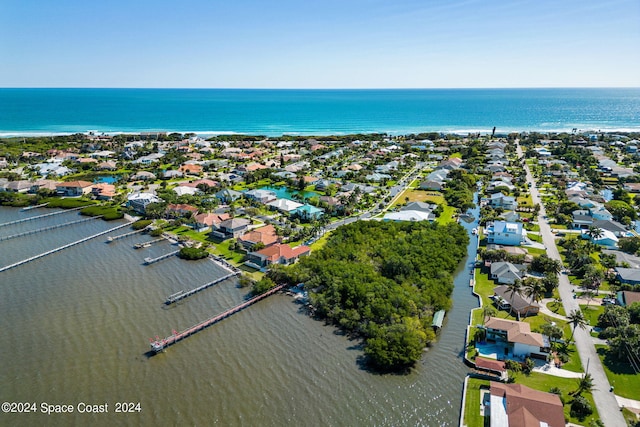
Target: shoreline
{"x":271,"y":134}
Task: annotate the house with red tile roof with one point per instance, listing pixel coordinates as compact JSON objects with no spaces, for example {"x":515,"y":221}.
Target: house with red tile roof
{"x":516,"y":405}
{"x":104,"y":191}
{"x":521,"y":342}
{"x":182,"y":209}
{"x":280,"y":253}
{"x":265,"y":235}
{"x":209,"y":221}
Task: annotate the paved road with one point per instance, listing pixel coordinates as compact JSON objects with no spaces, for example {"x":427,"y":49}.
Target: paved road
{"x":604,"y":399}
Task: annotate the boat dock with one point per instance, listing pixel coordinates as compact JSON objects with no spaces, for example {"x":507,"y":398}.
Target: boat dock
{"x":149,"y":261}
{"x":31,"y":218}
{"x":122,"y":236}
{"x":24,"y":261}
{"x":158,"y":344}
{"x":52,"y":227}
{"x":28,"y":208}
{"x":184,"y":294}
{"x":147,"y":244}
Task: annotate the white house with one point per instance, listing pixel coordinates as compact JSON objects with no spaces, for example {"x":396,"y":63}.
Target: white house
{"x":505,"y":233}
{"x":521,"y":341}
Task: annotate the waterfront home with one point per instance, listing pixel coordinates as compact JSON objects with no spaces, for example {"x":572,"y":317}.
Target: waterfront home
{"x":499,"y":200}
{"x":43,"y":184}
{"x":138,"y":201}
{"x":514,"y":302}
{"x":308,"y":212}
{"x":266,"y":235}
{"x":628,"y":276}
{"x":505,"y":233}
{"x":519,"y":341}
{"x":143,"y":176}
{"x":227,"y":196}
{"x":284,"y":205}
{"x":505,"y":272}
{"x":260,"y":196}
{"x":73,"y":188}
{"x":231,"y":228}
{"x":209,"y":221}
{"x":20,"y":186}
{"x":178,"y":210}
{"x":516,"y":405}
{"x":280,"y":253}
{"x":104,"y":191}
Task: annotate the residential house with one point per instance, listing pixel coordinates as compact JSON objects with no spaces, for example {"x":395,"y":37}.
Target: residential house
{"x":183,"y":190}
{"x":151,"y":158}
{"x":227,"y":196}
{"x":515,"y":302}
{"x":143,"y":176}
{"x":260,"y":196}
{"x":73,"y":188}
{"x":20,"y":186}
{"x":104,"y":191}
{"x":499,"y":200}
{"x":505,"y":233}
{"x":284,"y":205}
{"x":505,"y":272}
{"x":409,"y":216}
{"x":179,"y":210}
{"x":138,"y":201}
{"x":279,"y":253}
{"x":629,"y":276}
{"x":308,"y":212}
{"x":231,"y":228}
{"x":521,"y":342}
{"x":516,"y":405}
{"x":607,"y":239}
{"x":581,"y":219}
{"x":626,"y":298}
{"x":265,"y":235}
{"x":209,"y":221}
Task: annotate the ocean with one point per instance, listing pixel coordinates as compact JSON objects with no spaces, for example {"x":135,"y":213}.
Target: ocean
{"x":316,"y":112}
{"x":77,"y":323}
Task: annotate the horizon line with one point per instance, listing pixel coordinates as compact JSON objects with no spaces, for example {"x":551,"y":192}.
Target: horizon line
{"x":327,"y":88}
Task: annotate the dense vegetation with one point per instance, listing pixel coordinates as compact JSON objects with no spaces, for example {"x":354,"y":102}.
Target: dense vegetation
{"x":193,"y":253}
{"x":383,"y":281}
{"x":108,"y":213}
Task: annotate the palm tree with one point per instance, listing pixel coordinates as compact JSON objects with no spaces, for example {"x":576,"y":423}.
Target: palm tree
{"x":487,"y":312}
{"x":534,"y":288}
{"x":594,"y":232}
{"x":584,"y":384}
{"x":576,"y":319}
{"x":514,"y":288}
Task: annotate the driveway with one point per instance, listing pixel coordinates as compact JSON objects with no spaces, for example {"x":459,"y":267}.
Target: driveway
{"x":605,"y":400}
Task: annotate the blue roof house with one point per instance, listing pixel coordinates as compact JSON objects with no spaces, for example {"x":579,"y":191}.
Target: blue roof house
{"x":308,"y":212}
{"x":505,"y":233}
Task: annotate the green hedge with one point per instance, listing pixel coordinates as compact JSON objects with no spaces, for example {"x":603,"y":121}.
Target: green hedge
{"x":193,"y":253}
{"x":67,"y":203}
{"x":142,"y":223}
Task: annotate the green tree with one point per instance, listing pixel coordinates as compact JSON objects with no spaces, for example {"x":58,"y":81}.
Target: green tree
{"x":577,"y":320}
{"x":585,"y":384}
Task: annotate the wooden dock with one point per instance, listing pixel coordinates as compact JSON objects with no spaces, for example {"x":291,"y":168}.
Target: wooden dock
{"x":52,"y":227}
{"x":122,"y":236}
{"x":32,"y":218}
{"x":147,"y":244}
{"x":158,"y":344}
{"x":149,"y":261}
{"x":184,"y":294}
{"x":24,"y":261}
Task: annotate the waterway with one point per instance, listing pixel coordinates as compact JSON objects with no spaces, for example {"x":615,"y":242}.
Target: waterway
{"x":76,"y":326}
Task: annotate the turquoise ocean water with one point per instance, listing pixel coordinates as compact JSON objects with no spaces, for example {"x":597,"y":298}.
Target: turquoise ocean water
{"x":276,"y":112}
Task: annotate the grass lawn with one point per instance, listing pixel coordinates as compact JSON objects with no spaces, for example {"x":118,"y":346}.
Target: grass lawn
{"x":318,"y":244}
{"x":556,"y":307}
{"x":545,"y":382}
{"x":472,"y":417}
{"x":535,"y":251}
{"x":535,"y":237}
{"x":591,"y":313}
{"x":532,"y":227}
{"x":625,"y":381}
{"x":416,"y":195}
{"x":447,"y":215}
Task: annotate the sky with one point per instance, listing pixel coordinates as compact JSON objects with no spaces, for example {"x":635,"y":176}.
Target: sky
{"x":320,"y":44}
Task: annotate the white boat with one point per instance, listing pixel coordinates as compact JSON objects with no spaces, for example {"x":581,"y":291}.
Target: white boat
{"x":474,"y":231}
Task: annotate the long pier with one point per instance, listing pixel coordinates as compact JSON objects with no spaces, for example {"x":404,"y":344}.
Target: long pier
{"x":24,"y":261}
{"x":184,"y":294}
{"x":52,"y":227}
{"x":158,"y":344}
{"x":148,"y":261}
{"x":31,"y":218}
{"x":122,"y":236}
